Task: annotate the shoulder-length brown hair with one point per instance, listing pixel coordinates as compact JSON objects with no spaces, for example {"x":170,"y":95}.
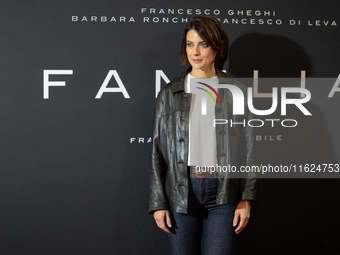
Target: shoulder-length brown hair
{"x":211,"y":31}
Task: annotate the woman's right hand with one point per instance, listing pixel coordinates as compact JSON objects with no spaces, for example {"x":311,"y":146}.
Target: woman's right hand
{"x":161,"y":217}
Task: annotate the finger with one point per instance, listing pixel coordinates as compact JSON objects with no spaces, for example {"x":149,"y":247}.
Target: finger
{"x":242,"y":225}
{"x":236,"y":216}
{"x":168,"y":220}
{"x":161,"y":225}
{"x":239,"y":229}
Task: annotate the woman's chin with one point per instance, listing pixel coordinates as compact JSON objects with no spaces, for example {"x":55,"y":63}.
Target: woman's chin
{"x":198,"y":68}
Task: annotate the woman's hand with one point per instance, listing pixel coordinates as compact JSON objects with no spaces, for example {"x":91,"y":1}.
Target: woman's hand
{"x":162,"y":216}
{"x":242,"y":211}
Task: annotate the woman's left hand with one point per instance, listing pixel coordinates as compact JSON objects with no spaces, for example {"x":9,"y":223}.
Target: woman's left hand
{"x":243,"y":212}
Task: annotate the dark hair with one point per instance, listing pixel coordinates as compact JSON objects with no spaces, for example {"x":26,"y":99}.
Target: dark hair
{"x":211,"y":31}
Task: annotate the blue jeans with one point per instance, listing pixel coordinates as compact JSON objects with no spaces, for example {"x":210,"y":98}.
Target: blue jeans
{"x":206,"y":227}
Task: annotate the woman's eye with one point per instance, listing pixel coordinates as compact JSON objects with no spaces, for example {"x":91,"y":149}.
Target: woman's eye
{"x":189,"y":44}
{"x":204,"y":45}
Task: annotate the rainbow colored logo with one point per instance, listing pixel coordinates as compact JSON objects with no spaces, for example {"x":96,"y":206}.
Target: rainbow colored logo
{"x":212,"y":89}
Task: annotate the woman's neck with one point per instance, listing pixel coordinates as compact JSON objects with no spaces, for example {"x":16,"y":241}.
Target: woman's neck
{"x":199,"y":73}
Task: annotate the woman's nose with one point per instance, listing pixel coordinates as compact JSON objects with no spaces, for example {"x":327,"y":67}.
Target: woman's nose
{"x":196,"y":51}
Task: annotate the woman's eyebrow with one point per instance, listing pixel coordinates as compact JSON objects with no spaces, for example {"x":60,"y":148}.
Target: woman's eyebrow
{"x":198,"y":42}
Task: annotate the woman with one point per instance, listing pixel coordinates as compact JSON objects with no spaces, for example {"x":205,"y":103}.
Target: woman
{"x":200,"y":212}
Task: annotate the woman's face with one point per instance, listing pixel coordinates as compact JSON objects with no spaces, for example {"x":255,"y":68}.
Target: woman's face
{"x":200,"y":55}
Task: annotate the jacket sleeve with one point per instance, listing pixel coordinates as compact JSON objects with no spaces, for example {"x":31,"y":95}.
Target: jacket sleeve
{"x":157,"y":197}
{"x":248,"y":182}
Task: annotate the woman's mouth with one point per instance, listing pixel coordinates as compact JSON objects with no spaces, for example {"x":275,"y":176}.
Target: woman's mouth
{"x":196,"y":60}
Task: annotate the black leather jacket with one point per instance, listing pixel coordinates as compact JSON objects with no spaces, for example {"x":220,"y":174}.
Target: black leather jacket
{"x":169,"y":179}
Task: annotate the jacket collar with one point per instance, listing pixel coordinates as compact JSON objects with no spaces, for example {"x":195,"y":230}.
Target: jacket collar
{"x":178,"y":83}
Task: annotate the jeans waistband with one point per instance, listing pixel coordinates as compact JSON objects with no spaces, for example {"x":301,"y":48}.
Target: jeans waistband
{"x":201,"y":172}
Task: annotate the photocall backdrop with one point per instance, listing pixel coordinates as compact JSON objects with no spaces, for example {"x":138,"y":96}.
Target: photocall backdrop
{"x":78,"y":87}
